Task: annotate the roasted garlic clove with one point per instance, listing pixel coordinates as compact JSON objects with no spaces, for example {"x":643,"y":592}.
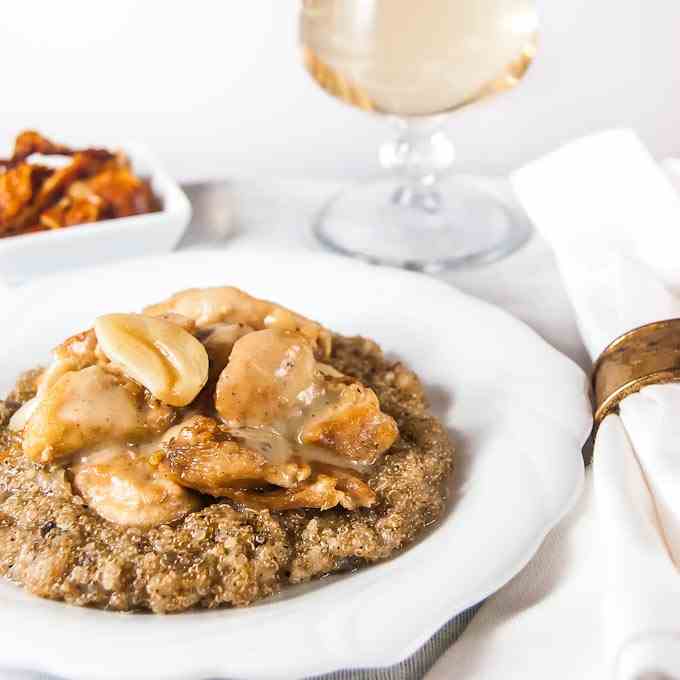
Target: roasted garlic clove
{"x":170,"y":362}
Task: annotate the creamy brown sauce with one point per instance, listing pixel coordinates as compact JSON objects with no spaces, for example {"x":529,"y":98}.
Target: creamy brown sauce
{"x":90,"y":403}
{"x":289,"y":378}
{"x":292,"y":389}
{"x":98,"y":412}
{"x":279,"y":448}
{"x":112,"y":448}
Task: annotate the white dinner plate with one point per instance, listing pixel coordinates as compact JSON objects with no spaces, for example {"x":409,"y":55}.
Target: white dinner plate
{"x":517,"y":410}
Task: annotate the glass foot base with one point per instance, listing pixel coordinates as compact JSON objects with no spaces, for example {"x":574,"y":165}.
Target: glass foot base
{"x":472,"y":222}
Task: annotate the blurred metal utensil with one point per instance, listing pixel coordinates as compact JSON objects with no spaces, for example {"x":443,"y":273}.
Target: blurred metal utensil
{"x":213,"y":206}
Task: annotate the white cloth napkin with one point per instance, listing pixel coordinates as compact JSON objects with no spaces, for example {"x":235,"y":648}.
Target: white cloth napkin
{"x":602,"y":597}
{"x":613,"y":219}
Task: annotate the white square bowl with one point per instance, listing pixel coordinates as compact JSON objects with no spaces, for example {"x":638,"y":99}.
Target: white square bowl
{"x":29,"y":255}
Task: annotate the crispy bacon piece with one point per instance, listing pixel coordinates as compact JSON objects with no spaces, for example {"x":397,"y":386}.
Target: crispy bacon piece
{"x":53,"y":187}
{"x":29,"y":142}
{"x":123,"y":192}
{"x":18,"y":187}
{"x":95,"y":185}
{"x":69,"y":211}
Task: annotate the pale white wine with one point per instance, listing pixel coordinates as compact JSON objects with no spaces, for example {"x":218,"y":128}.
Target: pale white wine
{"x":417,"y":57}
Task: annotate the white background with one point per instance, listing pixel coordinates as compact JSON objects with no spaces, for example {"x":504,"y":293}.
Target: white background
{"x":216,"y":87}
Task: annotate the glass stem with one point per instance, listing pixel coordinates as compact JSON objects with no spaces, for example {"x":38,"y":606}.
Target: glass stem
{"x":420,"y":155}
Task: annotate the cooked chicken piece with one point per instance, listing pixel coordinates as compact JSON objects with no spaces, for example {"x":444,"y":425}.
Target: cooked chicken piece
{"x":351,"y":423}
{"x":80,"y":409}
{"x":21,"y":416}
{"x":210,"y":459}
{"x":73,"y":354}
{"x":208,"y":306}
{"x":323,"y":491}
{"x":157,"y":417}
{"x":81,"y":351}
{"x":87,"y":407}
{"x":273,"y":380}
{"x":123,"y":487}
{"x":267,"y":374}
{"x":218,"y":340}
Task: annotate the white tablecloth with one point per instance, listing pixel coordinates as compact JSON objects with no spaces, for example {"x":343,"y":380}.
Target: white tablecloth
{"x":527,"y":284}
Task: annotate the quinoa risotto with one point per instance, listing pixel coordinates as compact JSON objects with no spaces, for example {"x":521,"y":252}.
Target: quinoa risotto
{"x":213,"y":512}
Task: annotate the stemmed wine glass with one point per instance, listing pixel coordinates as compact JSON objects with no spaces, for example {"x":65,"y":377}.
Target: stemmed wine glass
{"x":417,"y":62}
